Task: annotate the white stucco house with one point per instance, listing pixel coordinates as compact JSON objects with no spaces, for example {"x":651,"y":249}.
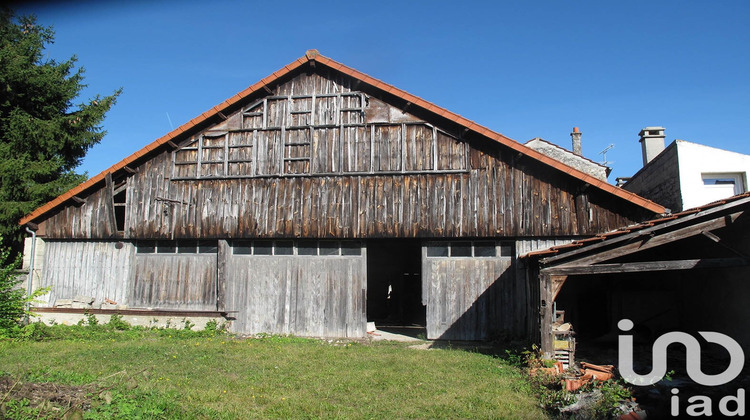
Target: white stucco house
{"x":684,"y":175}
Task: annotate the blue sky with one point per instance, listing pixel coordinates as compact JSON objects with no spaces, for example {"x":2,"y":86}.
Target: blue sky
{"x":524,"y":69}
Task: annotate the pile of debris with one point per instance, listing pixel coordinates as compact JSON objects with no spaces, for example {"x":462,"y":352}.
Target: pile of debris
{"x":576,"y":378}
{"x":87,"y":302}
{"x":52,"y":400}
{"x":587,"y":386}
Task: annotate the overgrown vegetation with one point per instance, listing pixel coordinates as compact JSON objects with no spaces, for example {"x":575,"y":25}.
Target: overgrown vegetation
{"x":124,"y":371}
{"x":12,"y":298}
{"x":596,"y":399}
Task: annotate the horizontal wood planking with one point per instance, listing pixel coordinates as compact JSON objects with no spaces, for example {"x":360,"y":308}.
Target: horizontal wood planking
{"x":93,"y":268}
{"x":174,"y":281}
{"x":309,"y":296}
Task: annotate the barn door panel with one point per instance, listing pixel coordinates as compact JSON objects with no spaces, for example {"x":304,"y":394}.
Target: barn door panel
{"x":178,"y":275}
{"x":464,"y":284}
{"x":315,"y":288}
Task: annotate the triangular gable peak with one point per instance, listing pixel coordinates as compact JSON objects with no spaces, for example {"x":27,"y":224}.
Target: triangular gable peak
{"x":399,"y":132}
{"x":318,"y":124}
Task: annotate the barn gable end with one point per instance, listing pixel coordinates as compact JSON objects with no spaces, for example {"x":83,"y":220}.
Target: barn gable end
{"x":318,"y":158}
{"x":268,"y":206}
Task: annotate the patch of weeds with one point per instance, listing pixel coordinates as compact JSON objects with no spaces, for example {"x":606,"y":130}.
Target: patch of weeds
{"x":613,"y":393}
{"x":549,"y":389}
{"x":285,"y":339}
{"x":20,"y":409}
{"x":187,"y":325}
{"x":118,"y":405}
{"x":91,"y":320}
{"x":117,"y":323}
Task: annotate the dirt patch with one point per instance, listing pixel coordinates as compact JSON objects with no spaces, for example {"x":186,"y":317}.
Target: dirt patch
{"x":48,"y":397}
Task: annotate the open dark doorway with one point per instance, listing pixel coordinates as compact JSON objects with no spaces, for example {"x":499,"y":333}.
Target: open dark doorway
{"x":394,"y":284}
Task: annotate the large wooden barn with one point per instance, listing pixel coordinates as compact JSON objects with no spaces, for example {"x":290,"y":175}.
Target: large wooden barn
{"x":319,"y":199}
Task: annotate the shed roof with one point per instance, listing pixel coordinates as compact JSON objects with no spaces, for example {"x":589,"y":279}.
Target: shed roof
{"x":314,"y":57}
{"x":584,"y":247}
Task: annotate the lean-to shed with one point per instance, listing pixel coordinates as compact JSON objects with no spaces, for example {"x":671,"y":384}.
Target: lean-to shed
{"x":319,"y":199}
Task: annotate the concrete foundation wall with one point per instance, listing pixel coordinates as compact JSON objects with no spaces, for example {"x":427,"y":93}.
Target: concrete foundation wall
{"x":134,"y":320}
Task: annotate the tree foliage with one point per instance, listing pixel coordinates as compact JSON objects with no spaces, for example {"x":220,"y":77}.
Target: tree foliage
{"x":12,"y":297}
{"x":43,"y":135}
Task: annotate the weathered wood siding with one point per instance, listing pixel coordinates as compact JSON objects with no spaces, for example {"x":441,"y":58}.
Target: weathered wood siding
{"x":95,"y":268}
{"x":174,"y":281}
{"x":528,"y":296}
{"x":317,"y":296}
{"x":465,"y":297}
{"x":349,"y":166}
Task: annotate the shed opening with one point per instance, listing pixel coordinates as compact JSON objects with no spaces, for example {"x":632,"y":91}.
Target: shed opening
{"x":394,"y":285}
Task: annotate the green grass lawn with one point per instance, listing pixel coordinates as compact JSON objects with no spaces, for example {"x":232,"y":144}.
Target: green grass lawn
{"x":155,"y":375}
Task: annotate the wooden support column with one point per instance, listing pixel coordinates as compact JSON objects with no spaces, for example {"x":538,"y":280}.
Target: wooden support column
{"x":109,"y":203}
{"x":221,"y":275}
{"x":546,"y":314}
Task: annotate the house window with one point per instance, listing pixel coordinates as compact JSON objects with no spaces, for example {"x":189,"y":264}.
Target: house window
{"x":475,"y":249}
{"x":722,"y":185}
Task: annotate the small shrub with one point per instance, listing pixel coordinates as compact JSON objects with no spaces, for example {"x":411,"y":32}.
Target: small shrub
{"x":614,"y":392}
{"x":12,"y":297}
{"x":187,"y":325}
{"x":211,"y":325}
{"x":91,"y":320}
{"x":116,"y":323}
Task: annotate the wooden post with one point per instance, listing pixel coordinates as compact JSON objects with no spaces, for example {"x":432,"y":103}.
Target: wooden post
{"x":110,"y":204}
{"x":221,"y":281}
{"x":547,"y":317}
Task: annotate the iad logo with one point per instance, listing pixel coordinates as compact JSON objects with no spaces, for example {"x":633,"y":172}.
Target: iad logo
{"x":701,"y":404}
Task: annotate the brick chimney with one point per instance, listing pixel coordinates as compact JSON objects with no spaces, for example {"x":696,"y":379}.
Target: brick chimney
{"x":652,"y":142}
{"x":576,"y":137}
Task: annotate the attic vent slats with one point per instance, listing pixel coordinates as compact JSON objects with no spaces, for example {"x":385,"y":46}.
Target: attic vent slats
{"x":317,"y":134}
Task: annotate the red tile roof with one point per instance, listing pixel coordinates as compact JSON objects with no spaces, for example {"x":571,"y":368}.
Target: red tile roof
{"x":314,"y":56}
{"x":629,"y":229}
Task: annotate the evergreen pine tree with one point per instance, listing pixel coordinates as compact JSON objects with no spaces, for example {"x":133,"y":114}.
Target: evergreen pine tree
{"x":43,"y":136}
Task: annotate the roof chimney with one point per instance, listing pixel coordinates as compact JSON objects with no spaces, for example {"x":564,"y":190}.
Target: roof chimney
{"x":576,"y":137}
{"x":652,"y":142}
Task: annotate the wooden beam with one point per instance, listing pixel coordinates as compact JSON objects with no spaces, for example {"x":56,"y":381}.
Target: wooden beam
{"x":627,"y":237}
{"x":640,"y":240}
{"x":646,"y":266}
{"x":109,"y":203}
{"x":557,"y":284}
{"x":222,"y":116}
{"x":221,"y":276}
{"x":646,"y":241}
{"x":118,"y":189}
{"x":172,"y":144}
{"x":267,"y":89}
{"x":128,"y":169}
{"x":712,"y":236}
{"x":77,"y":200}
